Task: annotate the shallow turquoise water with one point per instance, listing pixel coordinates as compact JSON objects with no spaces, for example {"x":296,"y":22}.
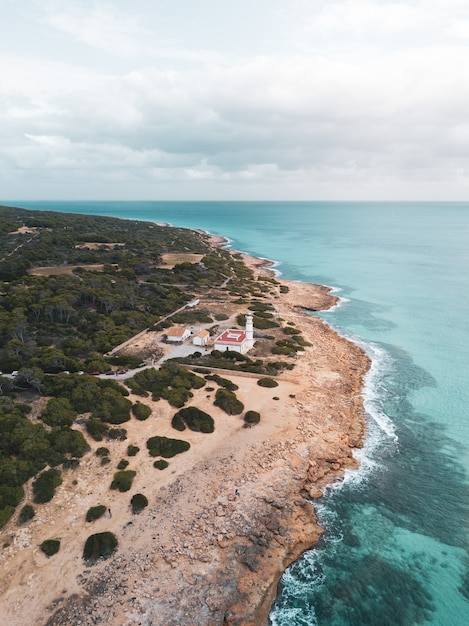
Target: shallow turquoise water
{"x":396,"y":551}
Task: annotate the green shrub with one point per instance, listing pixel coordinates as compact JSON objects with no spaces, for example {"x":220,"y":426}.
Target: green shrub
{"x":194,"y":419}
{"x":58,"y":412}
{"x":27,"y":513}
{"x":222,"y":382}
{"x":105,"y":460}
{"x":267,"y":382}
{"x":252,"y":417}
{"x":45,"y":484}
{"x":99,"y":546}
{"x":165,"y":447}
{"x":95,"y":512}
{"x":102,"y":451}
{"x":119,"y":434}
{"x":123,"y":463}
{"x":288,"y":330}
{"x":123,"y":480}
{"x":50,"y":547}
{"x":96,"y":428}
{"x":284,"y":289}
{"x":132,"y":450}
{"x":141,"y":411}
{"x":228,"y":402}
{"x":138,"y":503}
{"x":161,"y":464}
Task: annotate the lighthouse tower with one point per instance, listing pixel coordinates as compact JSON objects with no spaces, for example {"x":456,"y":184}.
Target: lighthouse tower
{"x":249,"y":331}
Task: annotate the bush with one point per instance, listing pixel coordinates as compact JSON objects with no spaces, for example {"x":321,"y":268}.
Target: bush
{"x":138,"y":503}
{"x":222,"y":382}
{"x":132,"y":450}
{"x":45,"y":484}
{"x":141,"y":411}
{"x":165,"y":447}
{"x":50,"y":547}
{"x":267,"y":382}
{"x":102,"y":451}
{"x":119,"y":434}
{"x":161,"y":464}
{"x":123,"y":480}
{"x":99,"y":546}
{"x":26,"y":514}
{"x":96,"y":428}
{"x":194,"y":419}
{"x":228,"y":402}
{"x":95,"y":512}
{"x":58,"y":412}
{"x":252,"y":417}
{"x":123,"y":463}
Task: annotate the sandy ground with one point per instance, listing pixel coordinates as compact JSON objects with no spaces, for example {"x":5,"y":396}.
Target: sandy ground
{"x":199,"y":554}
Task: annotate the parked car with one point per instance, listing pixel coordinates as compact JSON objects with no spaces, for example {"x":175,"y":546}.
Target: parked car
{"x":122,"y":371}
{"x":110,"y":373}
{"x":95,"y":373}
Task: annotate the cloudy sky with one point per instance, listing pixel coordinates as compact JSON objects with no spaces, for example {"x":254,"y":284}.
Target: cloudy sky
{"x":224,"y":99}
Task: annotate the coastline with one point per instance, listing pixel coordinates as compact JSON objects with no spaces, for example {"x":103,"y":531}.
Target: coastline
{"x":215,"y":557}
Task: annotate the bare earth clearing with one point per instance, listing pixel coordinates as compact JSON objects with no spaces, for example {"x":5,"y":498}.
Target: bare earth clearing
{"x":199,"y":554}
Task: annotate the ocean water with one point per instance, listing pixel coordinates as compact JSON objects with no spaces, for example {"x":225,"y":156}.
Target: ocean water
{"x":396,"y":547}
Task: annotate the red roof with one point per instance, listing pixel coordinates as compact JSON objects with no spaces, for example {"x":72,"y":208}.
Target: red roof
{"x":232,"y":336}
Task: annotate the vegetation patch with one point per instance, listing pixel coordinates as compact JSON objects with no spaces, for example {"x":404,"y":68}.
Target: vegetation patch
{"x":123,"y":463}
{"x":141,"y":411}
{"x":102,"y":451}
{"x":267,"y":382}
{"x":228,"y":402}
{"x":166,"y":447}
{"x":123,"y":480}
{"x":171,"y":382}
{"x":26,"y":514}
{"x":160,"y":464}
{"x":138,"y":503}
{"x":45,"y":484}
{"x":95,"y":512}
{"x":50,"y":547}
{"x":222,"y":382}
{"x":99,"y":546}
{"x":251,"y":418}
{"x":132,"y":450}
{"x":194,"y":419}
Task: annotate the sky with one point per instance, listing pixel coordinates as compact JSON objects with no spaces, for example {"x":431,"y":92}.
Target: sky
{"x":225,"y":100}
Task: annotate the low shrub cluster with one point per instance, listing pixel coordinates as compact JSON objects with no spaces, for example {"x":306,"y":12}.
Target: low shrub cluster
{"x":166,"y":447}
{"x":171,"y":382}
{"x":141,"y":411}
{"x":160,"y":464}
{"x":252,"y":417}
{"x":222,"y":382}
{"x":45,"y":484}
{"x":123,"y":463}
{"x":27,"y":513}
{"x":132,"y":450}
{"x":99,"y":546}
{"x":123,"y":480}
{"x":194,"y":419}
{"x":267,"y":382}
{"x":138,"y":503}
{"x":228,"y":402}
{"x":95,"y":512}
{"x":50,"y":547}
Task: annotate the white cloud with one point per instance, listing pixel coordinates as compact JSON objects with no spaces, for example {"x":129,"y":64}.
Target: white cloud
{"x":298,"y":120}
{"x":100,"y":25}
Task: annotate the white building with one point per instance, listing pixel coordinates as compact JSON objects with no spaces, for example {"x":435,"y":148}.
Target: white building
{"x":235,"y":339}
{"x":201,"y":338}
{"x":177,"y":334}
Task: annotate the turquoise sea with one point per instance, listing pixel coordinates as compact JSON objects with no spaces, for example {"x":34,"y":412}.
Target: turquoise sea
{"x":396,"y":548}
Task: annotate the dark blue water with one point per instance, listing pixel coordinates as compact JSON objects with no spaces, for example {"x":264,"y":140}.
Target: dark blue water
{"x":396,"y":550}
